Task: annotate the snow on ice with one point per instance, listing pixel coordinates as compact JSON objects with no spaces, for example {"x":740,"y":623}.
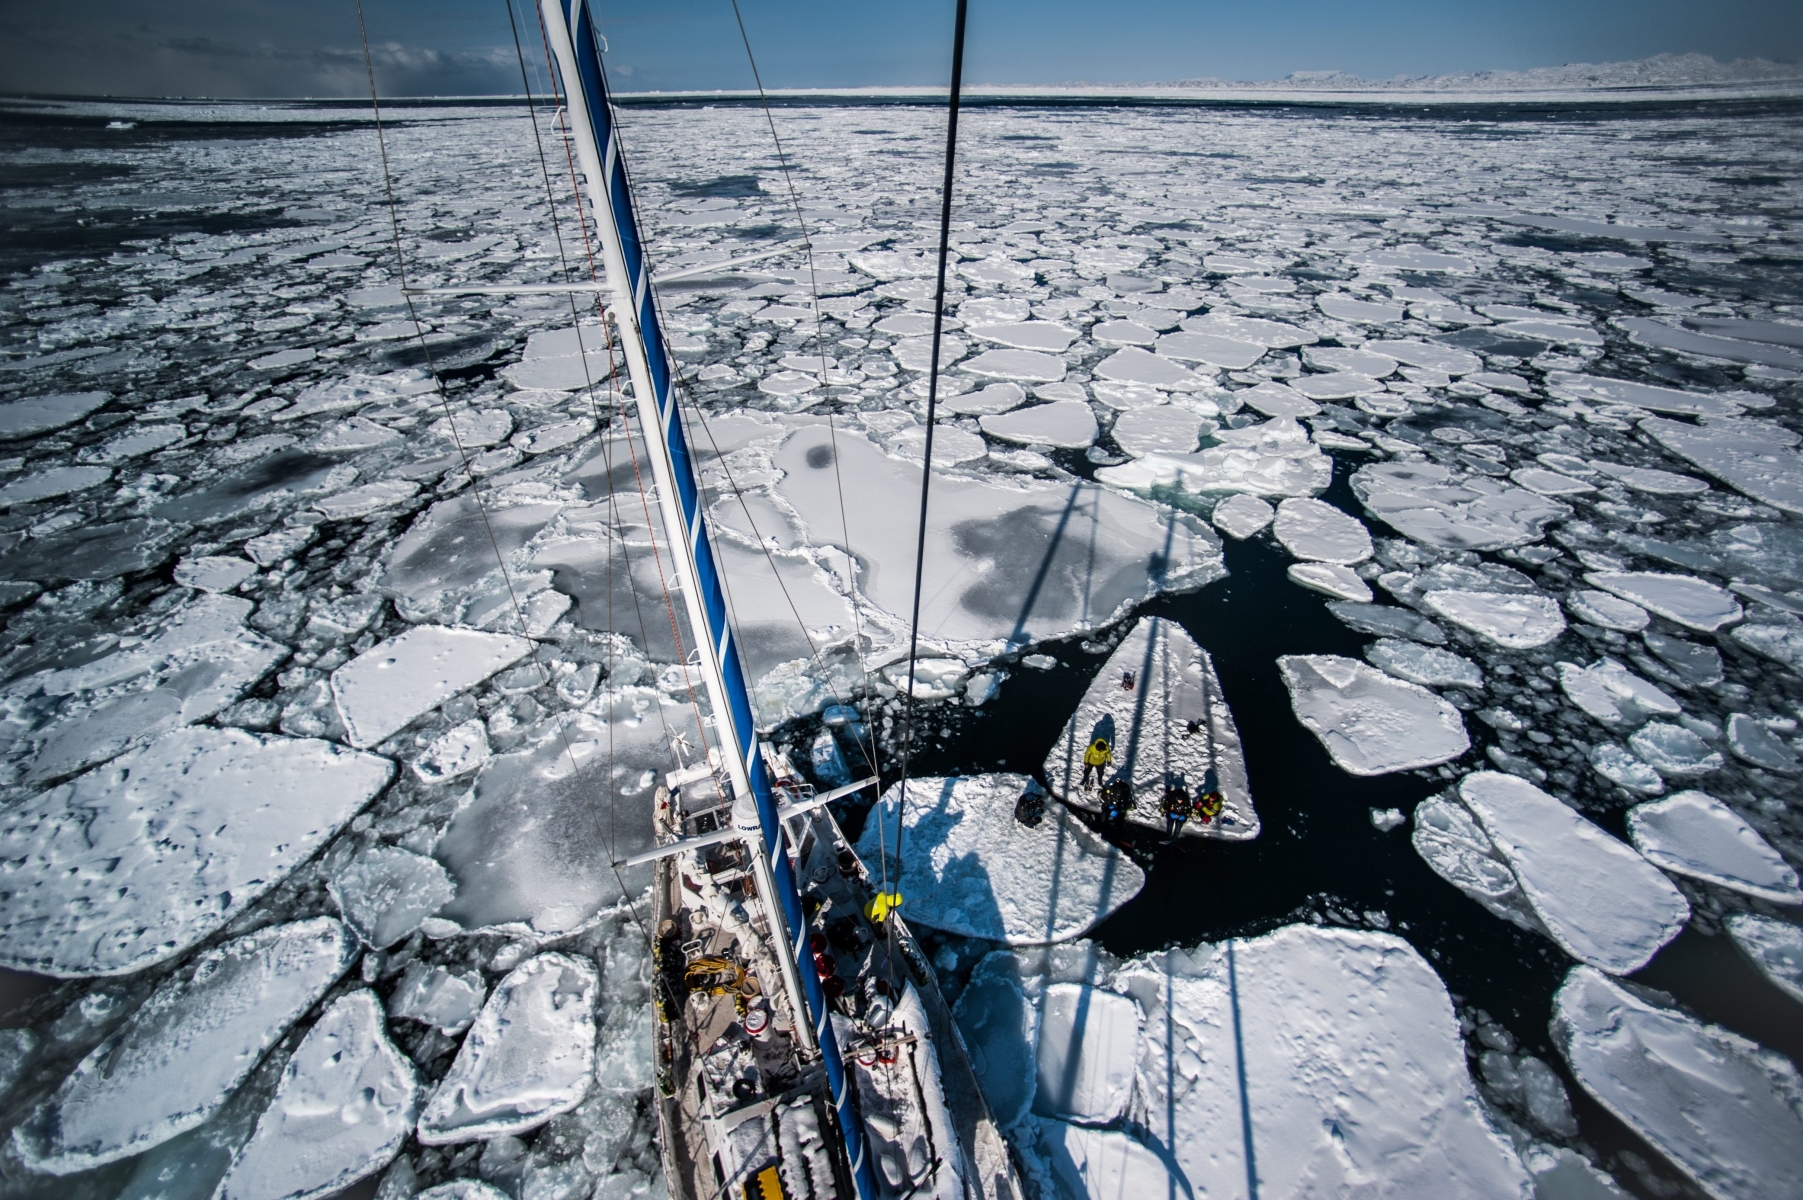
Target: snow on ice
{"x":1067,"y":424}
{"x":1513,"y":621}
{"x":1692,"y":833}
{"x":1715,"y":1104}
{"x":1316,"y":531}
{"x":89,"y":890}
{"x":1242,"y":515}
{"x":1684,"y":599}
{"x":1326,"y":1057}
{"x":386,"y":688}
{"x":972,"y":869}
{"x":1369,"y":722}
{"x":1590,"y":892}
{"x":179,"y":1057}
{"x":1172,"y":726}
{"x":1428,"y":666}
{"x":344,"y":1107}
{"x":529,"y":1056}
{"x":1088,"y":1042}
{"x":1434,"y":505}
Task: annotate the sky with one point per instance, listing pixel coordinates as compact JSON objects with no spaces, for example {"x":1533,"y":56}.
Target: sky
{"x":271,"y":48}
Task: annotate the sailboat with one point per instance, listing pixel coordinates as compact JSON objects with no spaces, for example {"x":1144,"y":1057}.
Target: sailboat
{"x":802,"y":1049}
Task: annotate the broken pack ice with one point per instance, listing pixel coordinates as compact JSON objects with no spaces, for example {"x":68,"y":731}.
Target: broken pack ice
{"x":529,"y":1056}
{"x":182,"y":1054}
{"x":135,"y":862}
{"x":344,"y":1107}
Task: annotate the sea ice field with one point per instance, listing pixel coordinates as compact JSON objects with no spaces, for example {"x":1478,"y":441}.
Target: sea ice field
{"x":1455,"y":450}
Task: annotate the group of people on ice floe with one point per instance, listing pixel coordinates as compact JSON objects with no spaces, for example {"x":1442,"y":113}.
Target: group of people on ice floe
{"x":1177,"y":804}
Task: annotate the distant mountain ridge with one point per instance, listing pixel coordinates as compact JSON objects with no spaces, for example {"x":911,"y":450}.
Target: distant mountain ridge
{"x":1659,"y":71}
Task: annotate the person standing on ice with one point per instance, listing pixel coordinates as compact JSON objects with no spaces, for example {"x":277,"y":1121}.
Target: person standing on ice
{"x":1117,"y":798}
{"x":1096,"y":760}
{"x":1176,"y":809}
{"x":1208,"y":801}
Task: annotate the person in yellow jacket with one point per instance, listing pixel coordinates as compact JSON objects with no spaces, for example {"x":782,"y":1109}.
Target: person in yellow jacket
{"x":1096,"y":760}
{"x":881,"y":905}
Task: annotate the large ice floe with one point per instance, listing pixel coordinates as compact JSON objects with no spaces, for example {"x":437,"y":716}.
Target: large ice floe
{"x":388,"y":686}
{"x":1093,"y":552}
{"x":529,"y":1056}
{"x":180,"y":1056}
{"x":1511,"y":620}
{"x":1172,"y":726}
{"x":1694,"y":834}
{"x":1276,"y":458}
{"x":1371,"y":723}
{"x":1297,"y":1063}
{"x":1532,"y":860}
{"x":1720,"y":1108}
{"x":346,"y":1103}
{"x":1315,"y":531}
{"x":136,"y":861}
{"x":968,"y":867}
{"x":1751,"y":456}
{"x":1435,"y":505}
{"x":1683,"y":599}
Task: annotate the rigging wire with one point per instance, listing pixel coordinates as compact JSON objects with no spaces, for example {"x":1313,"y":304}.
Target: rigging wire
{"x":588,"y":247}
{"x":457,"y":440}
{"x":807,"y":243}
{"x":926,"y":471}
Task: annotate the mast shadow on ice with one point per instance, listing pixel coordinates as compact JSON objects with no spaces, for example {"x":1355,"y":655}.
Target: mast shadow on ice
{"x":1158,"y":709}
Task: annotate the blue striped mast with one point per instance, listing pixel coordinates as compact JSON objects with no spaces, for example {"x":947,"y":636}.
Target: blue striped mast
{"x":570,"y":26}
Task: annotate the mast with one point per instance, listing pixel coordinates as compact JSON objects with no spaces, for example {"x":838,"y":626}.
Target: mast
{"x":570,"y":26}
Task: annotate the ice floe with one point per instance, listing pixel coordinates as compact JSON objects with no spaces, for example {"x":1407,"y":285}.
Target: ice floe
{"x":345,"y":1105}
{"x":1156,"y":429}
{"x":1691,"y":602}
{"x":1240,"y":516}
{"x":1371,"y":723}
{"x":90,"y":891}
{"x":1614,"y":695}
{"x":1274,"y":399}
{"x":1511,"y":620}
{"x":1026,"y":366}
{"x":1136,"y":365}
{"x":529,"y":1056}
{"x":1674,"y":750}
{"x":1103,"y":1164}
{"x":1754,"y":457}
{"x":996,"y":398}
{"x":213,"y":573}
{"x":1211,"y":349}
{"x":1096,"y":551}
{"x":41,"y":414}
{"x":179,"y":1057}
{"x":1342,"y":583}
{"x":386,"y":893}
{"x":1590,"y":892}
{"x":1692,"y":833}
{"x":390,"y":685}
{"x":1715,"y":1104}
{"x":1311,"y":1060}
{"x":1751,"y":741}
{"x":1171,"y":726}
{"x":435,"y":996}
{"x":972,"y":869}
{"x":1429,"y":355}
{"x":1088,"y":1047}
{"x":522,"y":848}
{"x":1773,"y":946}
{"x":1431,"y":504}
{"x":1276,"y":458}
{"x":49,"y":484}
{"x":1425,"y":665}
{"x":1606,"y":610}
{"x":1066,"y":424}
{"x":1316,"y":531}
{"x":1274,"y":335}
{"x":1386,"y":620}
